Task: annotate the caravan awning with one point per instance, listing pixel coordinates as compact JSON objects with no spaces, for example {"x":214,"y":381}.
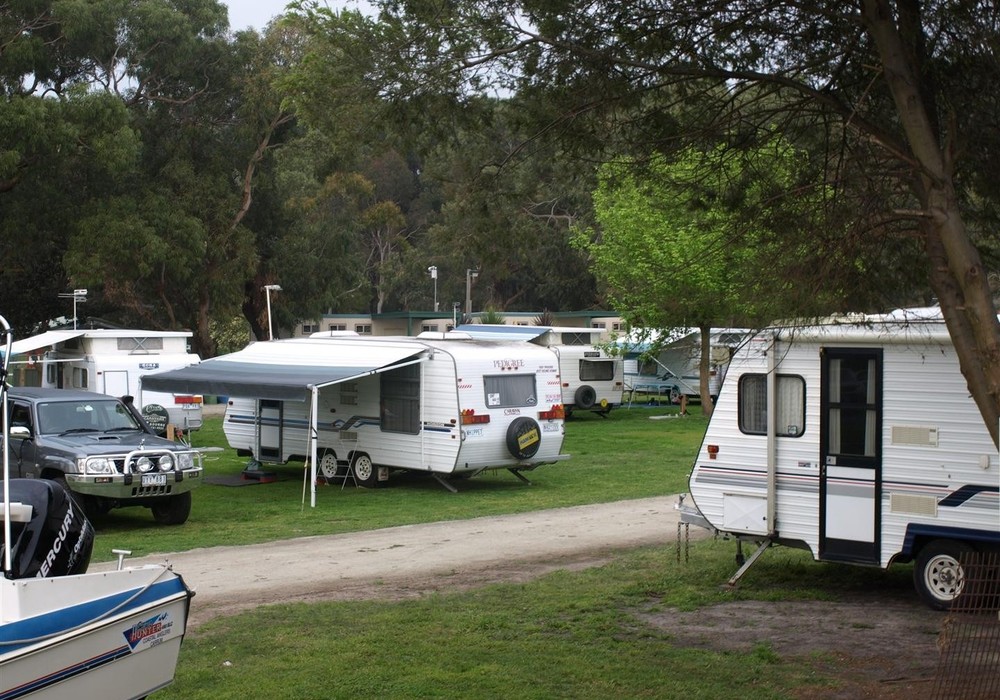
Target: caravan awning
{"x":43,"y":340}
{"x":283,"y":370}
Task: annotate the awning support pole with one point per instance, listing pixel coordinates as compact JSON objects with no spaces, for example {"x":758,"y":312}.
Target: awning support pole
{"x":313,"y":439}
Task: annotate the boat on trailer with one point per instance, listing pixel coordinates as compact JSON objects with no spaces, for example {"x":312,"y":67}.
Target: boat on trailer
{"x":66,"y":633}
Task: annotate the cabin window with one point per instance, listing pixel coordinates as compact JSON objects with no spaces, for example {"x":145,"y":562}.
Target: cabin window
{"x":399,"y":402}
{"x":363,"y":328}
{"x":337,"y":327}
{"x":429,"y":328}
{"x":80,"y":377}
{"x":509,"y":391}
{"x":597,"y":370}
{"x":790,"y":403}
{"x":619,"y":327}
{"x":310,"y":328}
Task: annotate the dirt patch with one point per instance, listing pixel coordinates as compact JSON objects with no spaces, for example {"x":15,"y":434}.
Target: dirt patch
{"x":875,"y":647}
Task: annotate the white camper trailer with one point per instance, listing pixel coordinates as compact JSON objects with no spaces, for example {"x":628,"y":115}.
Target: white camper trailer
{"x":671,"y":367}
{"x":857,"y":440}
{"x":112,"y":361}
{"x":446,"y":407}
{"x":590,"y":378}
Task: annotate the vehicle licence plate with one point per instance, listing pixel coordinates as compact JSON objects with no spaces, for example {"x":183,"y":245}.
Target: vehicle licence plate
{"x":154,"y":480}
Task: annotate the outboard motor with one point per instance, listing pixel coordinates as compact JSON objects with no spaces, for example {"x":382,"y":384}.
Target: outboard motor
{"x":57,"y":540}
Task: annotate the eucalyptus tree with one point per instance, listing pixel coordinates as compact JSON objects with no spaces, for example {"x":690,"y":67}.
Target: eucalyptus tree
{"x":898,"y":93}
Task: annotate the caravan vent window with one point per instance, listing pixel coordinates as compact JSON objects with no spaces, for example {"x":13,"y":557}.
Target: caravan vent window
{"x":597,"y":370}
{"x":575,"y":338}
{"x":509,"y":391}
{"x":400,"y":400}
{"x":140,"y":344}
{"x":790,"y":403}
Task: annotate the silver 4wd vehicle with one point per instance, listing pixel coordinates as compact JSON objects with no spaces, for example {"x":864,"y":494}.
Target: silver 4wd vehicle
{"x":100,"y":448}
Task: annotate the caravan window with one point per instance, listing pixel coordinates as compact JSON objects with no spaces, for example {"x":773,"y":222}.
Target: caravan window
{"x":508,"y":391}
{"x":597,"y":370}
{"x":80,"y":378}
{"x":399,"y":405}
{"x":790,"y":404}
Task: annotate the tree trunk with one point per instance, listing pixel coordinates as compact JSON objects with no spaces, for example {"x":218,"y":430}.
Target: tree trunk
{"x":957,"y":275}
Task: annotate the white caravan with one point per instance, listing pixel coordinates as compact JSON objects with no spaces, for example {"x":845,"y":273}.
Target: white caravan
{"x":875,"y":453}
{"x":446,"y":407}
{"x":672,"y":367}
{"x":112,"y":361}
{"x":590,"y":378}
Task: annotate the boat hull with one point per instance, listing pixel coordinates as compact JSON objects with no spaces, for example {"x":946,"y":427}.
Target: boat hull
{"x":108,"y":635}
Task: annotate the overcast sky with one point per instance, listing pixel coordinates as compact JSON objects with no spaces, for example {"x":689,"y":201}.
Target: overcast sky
{"x":257,"y":13}
{"x":253,"y":13}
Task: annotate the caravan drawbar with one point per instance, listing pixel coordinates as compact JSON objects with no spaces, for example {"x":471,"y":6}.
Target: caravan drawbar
{"x":857,"y":440}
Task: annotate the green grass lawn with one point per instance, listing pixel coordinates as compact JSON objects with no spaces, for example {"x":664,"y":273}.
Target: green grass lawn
{"x":567,"y":635}
{"x":629,"y":454}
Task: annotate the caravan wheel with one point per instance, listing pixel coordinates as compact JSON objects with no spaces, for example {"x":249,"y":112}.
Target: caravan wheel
{"x":938,"y":574}
{"x":328,"y":465}
{"x":364,"y":471}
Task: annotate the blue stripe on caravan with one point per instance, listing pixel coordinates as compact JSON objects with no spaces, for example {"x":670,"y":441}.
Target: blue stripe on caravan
{"x":963,"y":494}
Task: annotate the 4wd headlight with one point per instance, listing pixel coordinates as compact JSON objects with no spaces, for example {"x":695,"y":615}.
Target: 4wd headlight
{"x":185,"y":460}
{"x":143,"y":464}
{"x":165,"y":463}
{"x":98,"y":465}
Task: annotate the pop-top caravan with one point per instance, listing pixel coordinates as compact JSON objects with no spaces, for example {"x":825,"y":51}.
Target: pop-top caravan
{"x":112,"y":361}
{"x":874,"y":452}
{"x":446,"y":407}
{"x":590,"y":378}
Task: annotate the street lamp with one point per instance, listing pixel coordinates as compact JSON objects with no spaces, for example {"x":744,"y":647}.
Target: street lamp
{"x":78,"y":296}
{"x":434,"y":276}
{"x":268,"y":288}
{"x":469,"y":276}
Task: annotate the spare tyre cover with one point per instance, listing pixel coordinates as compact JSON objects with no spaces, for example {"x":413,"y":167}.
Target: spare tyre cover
{"x":524,"y":437}
{"x":585,"y":397}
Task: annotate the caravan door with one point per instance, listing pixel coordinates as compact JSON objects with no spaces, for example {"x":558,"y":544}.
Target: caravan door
{"x":850,"y":485}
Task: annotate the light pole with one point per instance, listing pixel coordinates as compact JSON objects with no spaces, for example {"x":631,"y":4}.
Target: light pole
{"x":434,"y":276}
{"x":469,"y":276}
{"x":78,"y":296}
{"x":268,"y":288}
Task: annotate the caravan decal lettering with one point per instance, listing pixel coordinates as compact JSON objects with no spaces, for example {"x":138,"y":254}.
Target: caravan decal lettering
{"x":508,"y":364}
{"x":512,"y":411}
{"x":149,"y":365}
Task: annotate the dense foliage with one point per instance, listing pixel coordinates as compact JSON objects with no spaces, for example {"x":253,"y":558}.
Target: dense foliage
{"x":174,"y":168}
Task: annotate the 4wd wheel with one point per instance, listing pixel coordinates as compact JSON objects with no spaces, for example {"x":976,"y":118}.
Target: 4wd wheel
{"x":585,"y":397}
{"x":328,"y":466}
{"x":938,"y":574}
{"x":364,"y":471}
{"x":524,"y":437}
{"x":172,"y":510}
